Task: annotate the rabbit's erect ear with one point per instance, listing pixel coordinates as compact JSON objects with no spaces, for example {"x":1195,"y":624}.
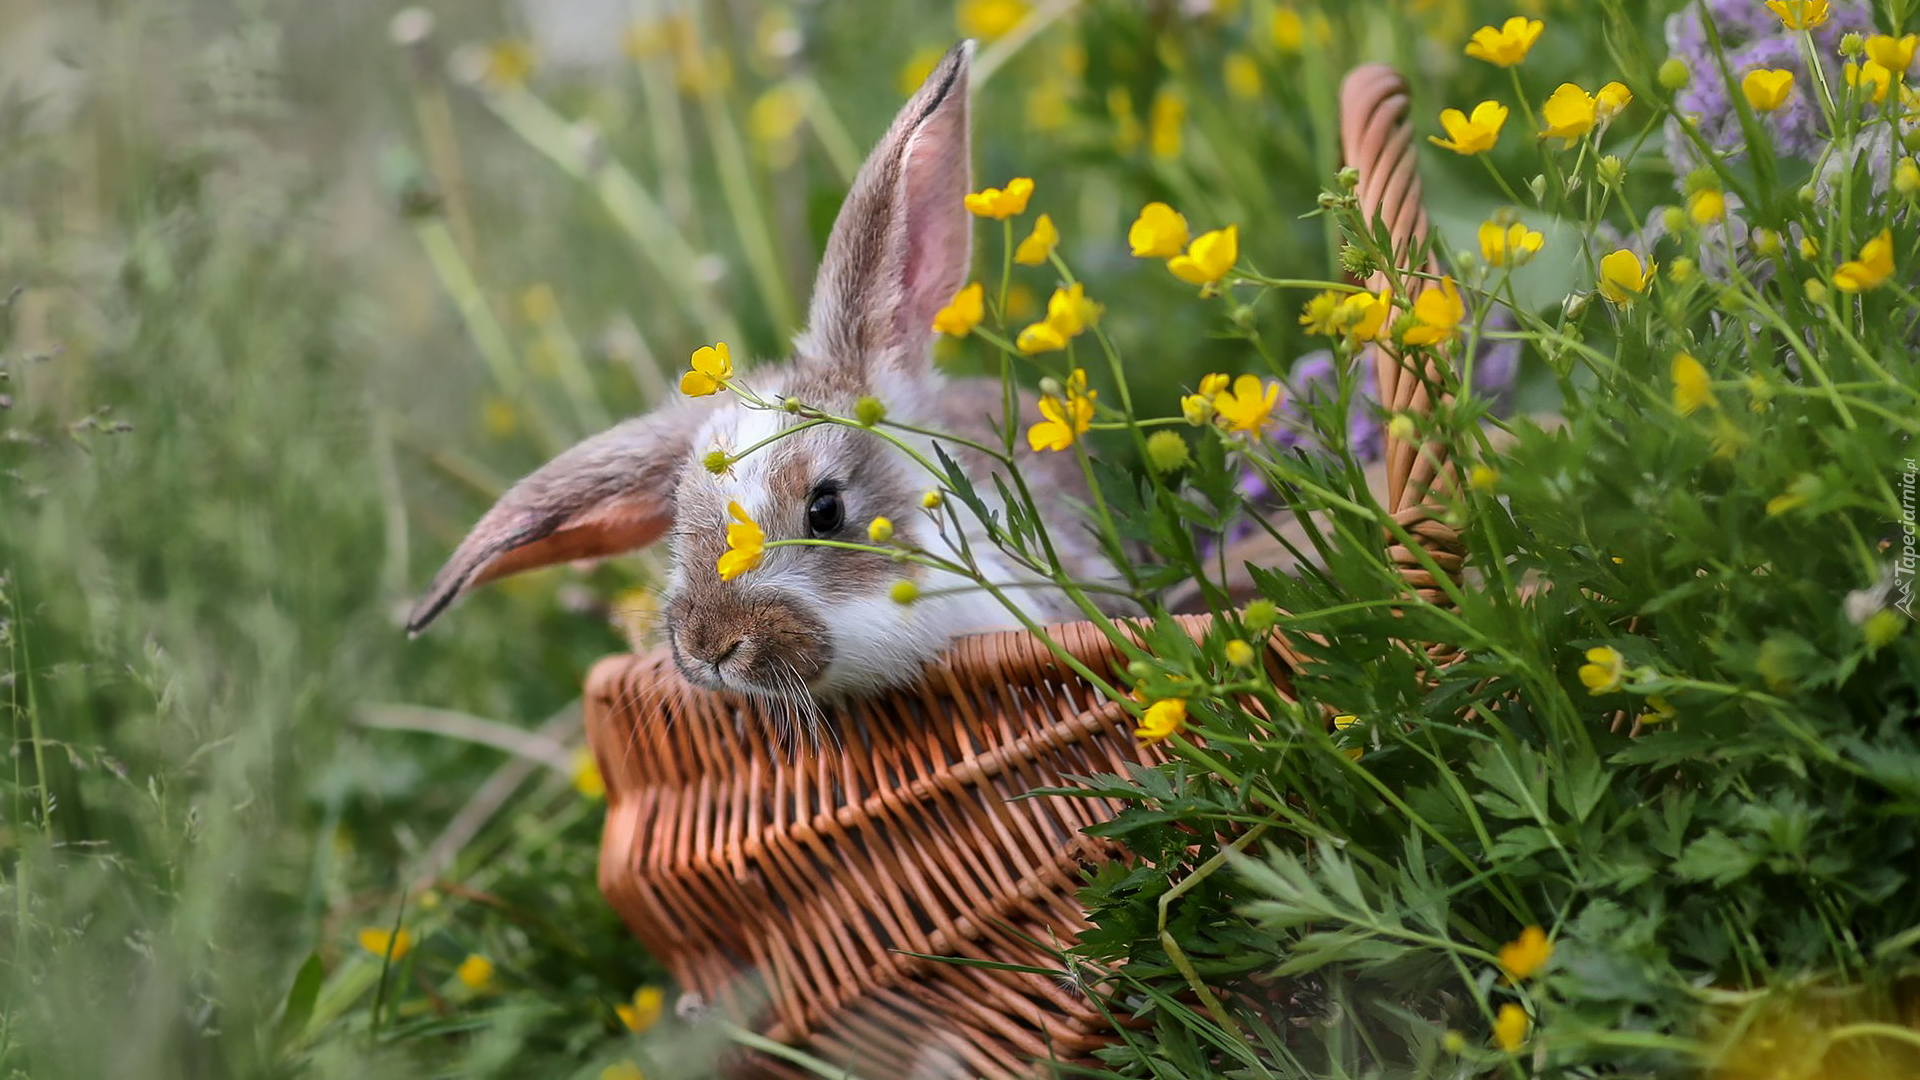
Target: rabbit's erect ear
{"x":902,"y":244}
{"x":608,"y":494}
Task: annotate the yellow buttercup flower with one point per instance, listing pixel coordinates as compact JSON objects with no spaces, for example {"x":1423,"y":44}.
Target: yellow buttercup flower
{"x":1241,"y":73}
{"x":746,"y":544}
{"x":1906,"y":177}
{"x":1474,"y":134}
{"x":1066,"y":420}
{"x":990,"y":19}
{"x":390,"y":945}
{"x":1706,"y":206}
{"x":1437,"y":314}
{"x":711,"y":366}
{"x":1508,"y":245}
{"x":1692,"y":386}
{"x":1291,"y":31}
{"x":1197,"y":407}
{"x":1158,"y":233}
{"x":1320,"y":315}
{"x":1623,"y":278}
{"x":1209,"y":258}
{"x":1893,"y":53}
{"x":1162,"y":721}
{"x":1604,"y":672}
{"x":1001,"y":203}
{"x":1611,"y":100}
{"x":1364,"y":315}
{"x":1239,"y":653}
{"x":1038,"y":338}
{"x":1510,"y":1027}
{"x":475,"y":973}
{"x":509,"y":62}
{"x":1164,"y":119}
{"x":644,"y":1012}
{"x":1248,"y":405}
{"x":1522,"y":958}
{"x":1039,"y":244}
{"x":963,"y":312}
{"x":1870,"y":77}
{"x":586,"y":775}
{"x":1871,"y":269}
{"x":1069,"y":313}
{"x":1570,"y":113}
{"x":1801,"y":14}
{"x":1767,"y":89}
{"x":1507,"y":45}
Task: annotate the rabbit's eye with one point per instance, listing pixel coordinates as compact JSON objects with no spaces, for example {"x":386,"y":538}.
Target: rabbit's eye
{"x":826,"y":513}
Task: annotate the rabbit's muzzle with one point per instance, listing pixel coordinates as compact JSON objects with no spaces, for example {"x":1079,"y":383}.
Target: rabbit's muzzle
{"x":762,"y":640}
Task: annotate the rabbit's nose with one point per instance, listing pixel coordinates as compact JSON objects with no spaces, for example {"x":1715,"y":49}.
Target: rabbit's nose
{"x":732,"y":647}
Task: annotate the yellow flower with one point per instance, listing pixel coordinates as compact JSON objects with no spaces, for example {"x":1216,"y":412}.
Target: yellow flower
{"x":1039,"y":338}
{"x":1036,"y":247}
{"x":644,"y":1012}
{"x":475,"y":973}
{"x":1290,"y":30}
{"x":964,"y":311}
{"x":990,"y":19}
{"x":1767,"y":89}
{"x":1321,"y":314}
{"x":1158,"y":233}
{"x":390,"y":945}
{"x":1800,"y":14}
{"x":1623,"y":278}
{"x":1522,"y":958}
{"x":1659,"y":710}
{"x":1483,"y":477}
{"x":1510,"y":1027}
{"x":1871,"y":77}
{"x":1000,"y":204}
{"x":1508,"y":45}
{"x":509,"y":63}
{"x":1692,"y":388}
{"x":1893,"y":53}
{"x":622,"y":1070}
{"x":711,"y":366}
{"x":880,"y":530}
{"x":1209,"y":258}
{"x":1906,"y":177}
{"x":1162,"y":721}
{"x":1706,"y":206}
{"x":746,"y":545}
{"x":1437,"y":313}
{"x":1511,"y":245}
{"x":1871,"y":270}
{"x":1069,"y":313}
{"x":1248,"y":405}
{"x":1365,"y":316}
{"x":1604,"y":672}
{"x":1198,"y":407}
{"x":1164,"y":117}
{"x":1471,"y":135}
{"x":1797,"y":495}
{"x":1611,"y":100}
{"x":1239,"y":653}
{"x":1241,"y":73}
{"x":1570,"y":113}
{"x":1065,"y":420}
{"x":586,"y":775}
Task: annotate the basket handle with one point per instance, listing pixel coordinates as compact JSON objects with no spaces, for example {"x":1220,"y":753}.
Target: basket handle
{"x":1376,"y":139}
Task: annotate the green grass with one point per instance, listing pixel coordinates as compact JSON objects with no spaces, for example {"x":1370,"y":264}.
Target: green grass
{"x":293,"y":304}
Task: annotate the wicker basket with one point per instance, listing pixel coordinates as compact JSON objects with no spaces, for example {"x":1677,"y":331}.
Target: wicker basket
{"x":800,"y":888}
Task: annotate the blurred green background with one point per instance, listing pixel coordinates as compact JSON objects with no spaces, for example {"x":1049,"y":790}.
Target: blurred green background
{"x":296,"y":289}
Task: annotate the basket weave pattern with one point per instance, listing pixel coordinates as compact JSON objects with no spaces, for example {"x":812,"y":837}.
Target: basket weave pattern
{"x":797,"y":887}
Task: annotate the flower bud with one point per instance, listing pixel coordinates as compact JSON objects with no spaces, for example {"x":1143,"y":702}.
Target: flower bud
{"x":880,"y":530}
{"x":717,"y":462}
{"x":1766,"y":242}
{"x":1816,"y":292}
{"x":1260,"y":616}
{"x":1167,"y":452}
{"x":934,"y":499}
{"x":1239,"y":653}
{"x":1852,"y":45}
{"x":1051,"y":387}
{"x":1610,"y":170}
{"x":1349,"y":178}
{"x":1674,"y":219}
{"x":1401,"y":428}
{"x":1906,"y":177}
{"x":904,"y":592}
{"x":1674,"y":75}
{"x":1575,"y":304}
{"x":868,"y":411}
{"x":1538,"y":186}
{"x":791,"y":404}
{"x":1681,"y":270}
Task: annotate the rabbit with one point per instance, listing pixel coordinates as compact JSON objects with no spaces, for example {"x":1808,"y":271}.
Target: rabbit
{"x":813,"y":622}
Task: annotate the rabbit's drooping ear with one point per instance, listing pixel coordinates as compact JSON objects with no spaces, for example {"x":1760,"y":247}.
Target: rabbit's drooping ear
{"x":901,"y":246}
{"x":608,"y":494}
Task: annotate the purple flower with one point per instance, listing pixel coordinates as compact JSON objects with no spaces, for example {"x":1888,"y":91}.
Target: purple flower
{"x":1752,"y":37}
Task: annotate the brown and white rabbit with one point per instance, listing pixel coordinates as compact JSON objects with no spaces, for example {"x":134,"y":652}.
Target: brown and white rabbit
{"x":812,"y":621}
